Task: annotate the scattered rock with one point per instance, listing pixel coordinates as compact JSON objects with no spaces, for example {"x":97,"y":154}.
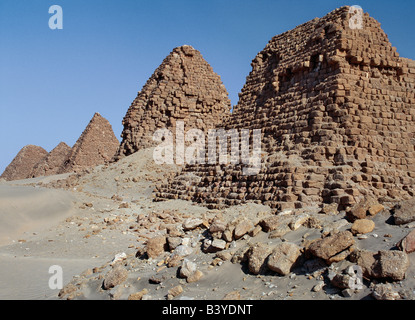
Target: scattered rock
{"x":382,"y":264}
{"x":385,"y":291}
{"x":407,"y":244}
{"x":218,"y":244}
{"x":257,"y":258}
{"x":318,"y":287}
{"x":331,"y":246}
{"x":138,"y":295}
{"x":195,"y":276}
{"x":404,"y":212}
{"x":156,"y":246}
{"x":233,"y":295}
{"x":188,"y":267}
{"x":361,"y":209}
{"x":242,"y":228}
{"x":192,"y":223}
{"x":114,"y":277}
{"x":273,"y":222}
{"x":362,"y":226}
{"x":283,"y":257}
{"x":174,"y":292}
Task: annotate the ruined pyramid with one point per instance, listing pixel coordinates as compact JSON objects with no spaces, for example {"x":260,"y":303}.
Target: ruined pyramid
{"x":183,"y":88}
{"x":52,"y":162}
{"x":96,"y":145}
{"x":336,"y":108}
{"x":23,"y":163}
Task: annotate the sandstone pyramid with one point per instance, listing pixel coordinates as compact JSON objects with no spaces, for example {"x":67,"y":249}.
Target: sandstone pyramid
{"x":24,"y":162}
{"x":52,"y":162}
{"x":96,"y":145}
{"x":336,"y":109}
{"x":184,"y":87}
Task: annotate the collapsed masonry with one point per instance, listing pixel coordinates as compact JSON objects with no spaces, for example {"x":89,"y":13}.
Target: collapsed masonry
{"x":183,"y":88}
{"x":336,"y":109}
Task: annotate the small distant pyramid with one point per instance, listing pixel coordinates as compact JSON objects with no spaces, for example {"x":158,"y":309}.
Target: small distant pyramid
{"x":184,"y":87}
{"x":52,"y":162}
{"x":24,"y":162}
{"x":96,"y":145}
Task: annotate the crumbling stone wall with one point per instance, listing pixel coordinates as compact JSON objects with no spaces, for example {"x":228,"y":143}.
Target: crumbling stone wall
{"x":336,"y":109}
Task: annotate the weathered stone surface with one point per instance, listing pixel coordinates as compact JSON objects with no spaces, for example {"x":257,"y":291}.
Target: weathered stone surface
{"x":96,"y":145}
{"x":385,"y":291}
{"x":257,"y":258}
{"x":404,"y":212}
{"x":183,"y":88}
{"x":283,"y":257}
{"x":407,"y":244}
{"x":362,"y":226}
{"x":52,"y":162}
{"x":156,"y":246}
{"x":138,"y":295}
{"x":115,"y":276}
{"x":192,"y":223}
{"x":23,"y":163}
{"x":195,"y":276}
{"x":175,"y":291}
{"x":273,"y":222}
{"x":390,"y":264}
{"x":242,"y":228}
{"x":188,"y":267}
{"x":331,"y":246}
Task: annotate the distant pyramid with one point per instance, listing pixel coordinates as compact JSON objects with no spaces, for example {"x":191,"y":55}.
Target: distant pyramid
{"x":24,"y":162}
{"x":184,"y":87}
{"x":52,"y":162}
{"x":96,"y":145}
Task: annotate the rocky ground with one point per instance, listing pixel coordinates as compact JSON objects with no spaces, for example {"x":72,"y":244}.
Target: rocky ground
{"x":126,"y":246}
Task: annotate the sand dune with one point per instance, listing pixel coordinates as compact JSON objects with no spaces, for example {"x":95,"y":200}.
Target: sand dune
{"x":30,"y":209}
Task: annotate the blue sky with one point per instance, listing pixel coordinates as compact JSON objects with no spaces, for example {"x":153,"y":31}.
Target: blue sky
{"x":53,"y":81}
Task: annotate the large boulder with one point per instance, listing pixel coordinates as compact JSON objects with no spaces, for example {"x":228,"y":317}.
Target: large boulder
{"x":332,"y":246}
{"x":257,"y":258}
{"x":283,"y":258}
{"x":388,"y":264}
{"x":404,"y":212}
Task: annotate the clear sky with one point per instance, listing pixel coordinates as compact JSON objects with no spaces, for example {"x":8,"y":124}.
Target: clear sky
{"x":53,"y":81}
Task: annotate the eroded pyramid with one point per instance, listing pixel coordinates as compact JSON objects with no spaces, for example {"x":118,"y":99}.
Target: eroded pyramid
{"x":24,"y":162}
{"x":53,"y":161}
{"x":336,"y":108}
{"x":183,"y":88}
{"x":96,"y":145}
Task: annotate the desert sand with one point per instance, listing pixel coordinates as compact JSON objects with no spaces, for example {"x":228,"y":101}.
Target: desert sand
{"x":81,"y":222}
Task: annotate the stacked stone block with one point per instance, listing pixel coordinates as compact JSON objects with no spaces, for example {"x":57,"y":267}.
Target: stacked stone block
{"x":336,"y":110}
{"x":183,"y":88}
